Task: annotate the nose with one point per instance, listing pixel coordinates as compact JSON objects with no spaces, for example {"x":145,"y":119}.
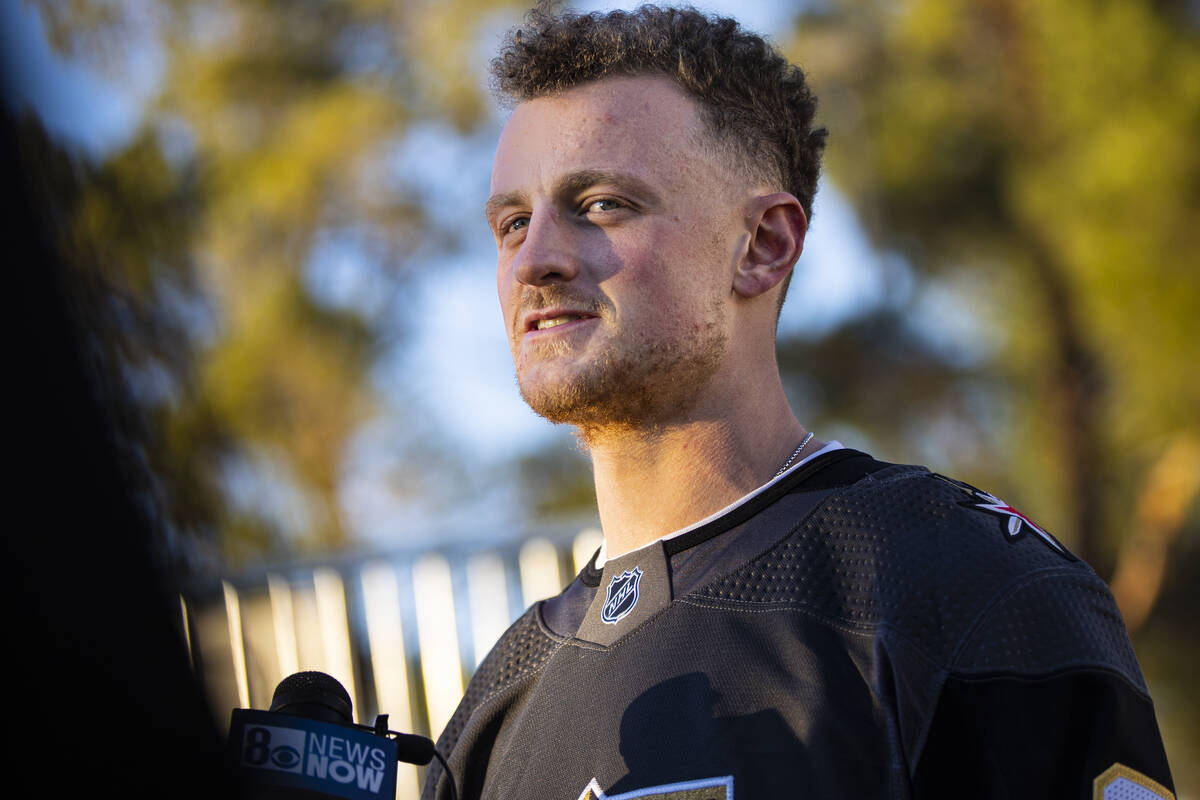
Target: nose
{"x":549,"y":253}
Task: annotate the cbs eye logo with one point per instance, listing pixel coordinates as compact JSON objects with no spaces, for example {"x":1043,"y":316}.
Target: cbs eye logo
{"x":258,"y":752}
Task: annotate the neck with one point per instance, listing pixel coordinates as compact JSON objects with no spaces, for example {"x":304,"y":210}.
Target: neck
{"x":657,"y":479}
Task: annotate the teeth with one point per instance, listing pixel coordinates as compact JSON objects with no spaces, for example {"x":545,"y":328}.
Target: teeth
{"x":542,"y":324}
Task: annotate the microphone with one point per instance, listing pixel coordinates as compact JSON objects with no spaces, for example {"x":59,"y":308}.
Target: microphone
{"x":308,"y":746}
{"x":313,"y":695}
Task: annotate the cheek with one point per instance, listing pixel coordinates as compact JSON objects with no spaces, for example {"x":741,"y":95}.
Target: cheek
{"x":509,"y":299}
{"x":663,"y":294}
{"x":506,"y":283}
{"x":689,"y":270}
{"x":501,"y":289}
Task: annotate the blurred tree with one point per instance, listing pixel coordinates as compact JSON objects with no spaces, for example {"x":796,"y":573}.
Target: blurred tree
{"x":1040,"y":160}
{"x":274,"y":133}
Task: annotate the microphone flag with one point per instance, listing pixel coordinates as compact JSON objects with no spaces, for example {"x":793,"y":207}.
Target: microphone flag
{"x":279,"y":755}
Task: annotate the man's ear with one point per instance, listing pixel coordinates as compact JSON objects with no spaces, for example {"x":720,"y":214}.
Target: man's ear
{"x":777,"y":226}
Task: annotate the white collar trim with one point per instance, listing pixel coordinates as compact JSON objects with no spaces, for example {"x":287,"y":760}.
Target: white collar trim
{"x":829,"y":447}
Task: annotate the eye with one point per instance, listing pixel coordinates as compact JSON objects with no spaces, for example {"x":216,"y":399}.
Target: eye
{"x":513,"y":225}
{"x":603,"y":204}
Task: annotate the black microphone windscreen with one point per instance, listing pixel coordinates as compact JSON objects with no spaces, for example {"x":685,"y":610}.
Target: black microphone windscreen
{"x":414,"y":749}
{"x":313,"y":695}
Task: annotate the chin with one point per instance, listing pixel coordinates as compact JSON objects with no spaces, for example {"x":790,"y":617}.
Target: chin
{"x":630,"y":390}
{"x":589,"y":406}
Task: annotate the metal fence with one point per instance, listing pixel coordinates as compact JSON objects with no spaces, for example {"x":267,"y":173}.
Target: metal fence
{"x":402,"y":632}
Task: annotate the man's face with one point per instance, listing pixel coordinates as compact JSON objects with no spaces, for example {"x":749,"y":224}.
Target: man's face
{"x":617,"y":234}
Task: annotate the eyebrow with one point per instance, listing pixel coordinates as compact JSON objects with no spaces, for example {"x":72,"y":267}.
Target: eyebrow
{"x":575,"y":183}
{"x":503,"y":200}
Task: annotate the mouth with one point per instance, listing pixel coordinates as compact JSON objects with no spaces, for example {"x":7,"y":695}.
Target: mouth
{"x":543,"y":324}
{"x":553,"y":319}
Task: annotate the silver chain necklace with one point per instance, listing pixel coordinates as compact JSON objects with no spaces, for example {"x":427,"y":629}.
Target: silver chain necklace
{"x":795,"y":453}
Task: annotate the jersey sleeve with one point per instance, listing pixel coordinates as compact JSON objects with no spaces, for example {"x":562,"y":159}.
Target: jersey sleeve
{"x":1008,"y":736}
{"x":1046,"y":700}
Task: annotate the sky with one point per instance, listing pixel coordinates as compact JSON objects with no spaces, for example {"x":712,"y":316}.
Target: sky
{"x":75,"y":103}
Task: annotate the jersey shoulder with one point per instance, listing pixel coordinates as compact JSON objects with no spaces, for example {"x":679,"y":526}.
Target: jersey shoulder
{"x":968,"y":580}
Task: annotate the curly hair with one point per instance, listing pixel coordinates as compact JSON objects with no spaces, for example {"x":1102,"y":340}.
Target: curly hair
{"x":755,"y":104}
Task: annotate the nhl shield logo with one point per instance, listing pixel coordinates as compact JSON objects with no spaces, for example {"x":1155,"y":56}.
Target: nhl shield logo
{"x":621,"y":596}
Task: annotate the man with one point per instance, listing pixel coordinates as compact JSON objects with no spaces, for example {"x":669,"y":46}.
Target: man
{"x":771,"y":615}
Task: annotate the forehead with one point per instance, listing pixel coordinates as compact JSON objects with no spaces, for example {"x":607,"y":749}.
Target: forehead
{"x":644,"y":125}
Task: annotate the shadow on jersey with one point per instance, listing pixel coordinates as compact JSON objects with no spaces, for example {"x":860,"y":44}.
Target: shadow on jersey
{"x":671,"y":733}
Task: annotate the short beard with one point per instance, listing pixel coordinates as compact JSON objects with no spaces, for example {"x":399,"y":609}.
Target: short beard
{"x":635,"y":389}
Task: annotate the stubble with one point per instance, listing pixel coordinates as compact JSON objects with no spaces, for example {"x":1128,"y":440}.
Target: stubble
{"x":635,"y":384}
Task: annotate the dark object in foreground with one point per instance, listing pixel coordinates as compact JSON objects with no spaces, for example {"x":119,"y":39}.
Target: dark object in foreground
{"x":97,"y":641}
{"x":308,"y":746}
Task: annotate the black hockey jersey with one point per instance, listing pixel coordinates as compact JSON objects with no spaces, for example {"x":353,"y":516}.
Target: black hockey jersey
{"x":856,"y":630}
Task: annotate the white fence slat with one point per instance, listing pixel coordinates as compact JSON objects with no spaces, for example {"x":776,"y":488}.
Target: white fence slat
{"x":284,"y":620}
{"x":585,"y":543}
{"x":335,"y":630}
{"x":487,"y":590}
{"x":389,"y":660}
{"x":233,"y":616}
{"x":441,"y":664}
{"x":540,"y":578}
